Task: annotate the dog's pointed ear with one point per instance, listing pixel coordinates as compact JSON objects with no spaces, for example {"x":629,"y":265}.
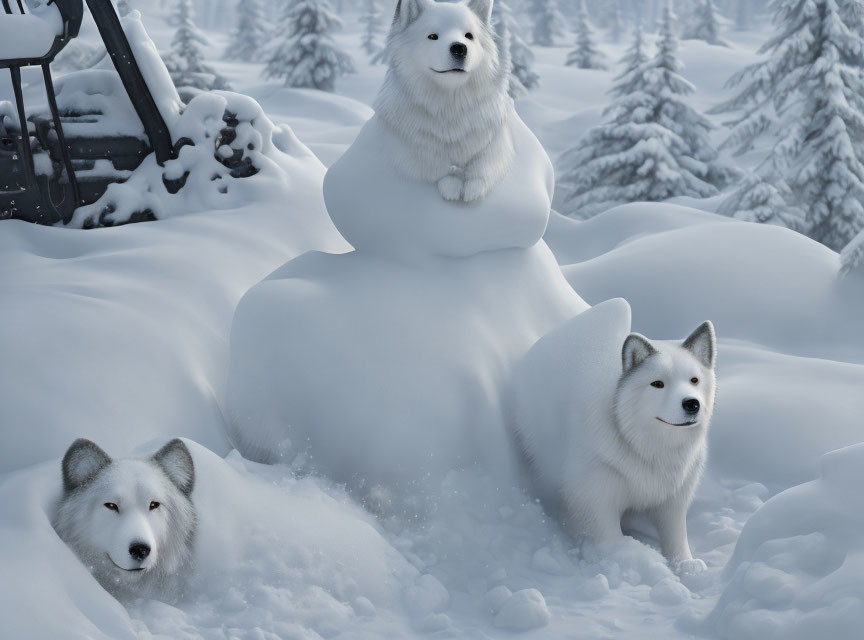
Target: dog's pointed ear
{"x":83,"y":462}
{"x":407,"y":11}
{"x":702,"y":343}
{"x":482,"y":8}
{"x":637,"y":349}
{"x":176,"y":462}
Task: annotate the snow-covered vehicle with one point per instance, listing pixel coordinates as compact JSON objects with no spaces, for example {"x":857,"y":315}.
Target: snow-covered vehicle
{"x":74,"y":152}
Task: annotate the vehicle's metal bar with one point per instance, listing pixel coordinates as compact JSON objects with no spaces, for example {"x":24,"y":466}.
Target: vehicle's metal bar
{"x":27,"y":160}
{"x":7,"y":7}
{"x":64,"y":149}
{"x":124,"y":61}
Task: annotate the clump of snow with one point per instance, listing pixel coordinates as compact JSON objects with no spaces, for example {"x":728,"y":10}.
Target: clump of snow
{"x":100,"y":96}
{"x":796,"y":571}
{"x":152,"y":67}
{"x":233,"y":154}
{"x":30,"y":35}
{"x":525,"y":609}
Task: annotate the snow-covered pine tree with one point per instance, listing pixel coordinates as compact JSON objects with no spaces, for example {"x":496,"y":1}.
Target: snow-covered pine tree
{"x":630,"y":80}
{"x":742,"y":15}
{"x":549,"y":22}
{"x":653,"y":145}
{"x":250,"y":33}
{"x":809,"y":96}
{"x":586,"y":55}
{"x":765,"y":200}
{"x":522,"y":75}
{"x":371,"y":21}
{"x":852,"y":257}
{"x":185,"y":61}
{"x":306,"y":56}
{"x":704,"y":24}
{"x":616,"y":26}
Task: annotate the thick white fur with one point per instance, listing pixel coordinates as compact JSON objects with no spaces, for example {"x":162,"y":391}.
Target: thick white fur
{"x":102,"y":537}
{"x":610,"y":454}
{"x":452,"y":128}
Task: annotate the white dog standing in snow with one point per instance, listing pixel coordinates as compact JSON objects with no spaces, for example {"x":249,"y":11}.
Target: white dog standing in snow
{"x":624,"y":440}
{"x":445,"y":97}
{"x":130,"y":521}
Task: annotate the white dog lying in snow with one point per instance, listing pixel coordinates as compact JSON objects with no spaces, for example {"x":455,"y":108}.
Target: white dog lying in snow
{"x":445,"y":97}
{"x":131,"y":521}
{"x":629,"y":439}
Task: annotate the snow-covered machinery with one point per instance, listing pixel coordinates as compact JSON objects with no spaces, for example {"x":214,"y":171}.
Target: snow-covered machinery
{"x":38,"y":180}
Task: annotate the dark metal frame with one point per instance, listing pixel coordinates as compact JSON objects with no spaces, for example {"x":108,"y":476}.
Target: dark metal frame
{"x":33,"y":201}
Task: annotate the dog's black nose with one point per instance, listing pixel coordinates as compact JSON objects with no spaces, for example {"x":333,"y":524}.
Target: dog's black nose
{"x":691,"y":405}
{"x":139,"y":551}
{"x":459,"y":50}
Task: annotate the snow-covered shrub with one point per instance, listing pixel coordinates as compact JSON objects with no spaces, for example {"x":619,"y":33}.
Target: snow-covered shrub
{"x":764,"y":200}
{"x":653,"y":146}
{"x":305,"y":55}
{"x":586,"y":55}
{"x":185,"y":62}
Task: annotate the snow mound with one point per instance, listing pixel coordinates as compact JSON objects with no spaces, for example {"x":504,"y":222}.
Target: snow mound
{"x":796,"y":571}
{"x":570,"y":371}
{"x":383,"y":373}
{"x":125,"y":331}
{"x":378,"y":211}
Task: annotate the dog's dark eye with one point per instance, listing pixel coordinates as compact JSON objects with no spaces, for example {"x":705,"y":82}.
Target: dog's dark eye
{"x":154,"y":505}
{"x":694,"y":380}
{"x":433,"y":36}
{"x":470,"y":36}
{"x":658,"y":384}
{"x":111,"y":506}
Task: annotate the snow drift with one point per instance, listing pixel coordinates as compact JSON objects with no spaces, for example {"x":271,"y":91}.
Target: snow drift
{"x":120,"y":335}
{"x":796,"y":571}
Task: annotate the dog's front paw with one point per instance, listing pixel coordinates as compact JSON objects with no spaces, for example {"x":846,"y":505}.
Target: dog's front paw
{"x":690,"y":567}
{"x":450,"y":188}
{"x":475,"y":189}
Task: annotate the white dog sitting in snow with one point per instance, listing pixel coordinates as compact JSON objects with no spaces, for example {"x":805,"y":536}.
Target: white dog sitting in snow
{"x":625,"y":439}
{"x":445,"y":97}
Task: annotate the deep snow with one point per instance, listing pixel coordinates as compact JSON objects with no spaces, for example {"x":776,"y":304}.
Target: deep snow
{"x":121,"y":335}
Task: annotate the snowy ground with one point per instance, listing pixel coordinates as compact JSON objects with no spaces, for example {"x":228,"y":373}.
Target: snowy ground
{"x":121,"y":335}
